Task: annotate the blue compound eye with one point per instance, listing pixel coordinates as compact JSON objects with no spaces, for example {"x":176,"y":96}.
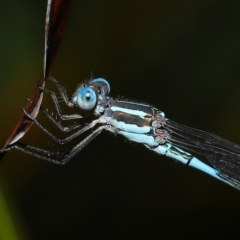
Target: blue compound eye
{"x":86,"y":98}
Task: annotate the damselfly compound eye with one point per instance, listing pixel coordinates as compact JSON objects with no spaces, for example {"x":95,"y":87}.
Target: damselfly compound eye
{"x":86,"y":98}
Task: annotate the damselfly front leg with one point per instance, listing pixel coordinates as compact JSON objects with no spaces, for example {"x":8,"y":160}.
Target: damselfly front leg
{"x":65,"y":98}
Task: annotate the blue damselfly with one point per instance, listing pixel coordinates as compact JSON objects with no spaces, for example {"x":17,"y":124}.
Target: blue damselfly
{"x":139,"y":123}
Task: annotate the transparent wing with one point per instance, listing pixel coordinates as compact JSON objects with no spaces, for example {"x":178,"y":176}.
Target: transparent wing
{"x":222,"y":154}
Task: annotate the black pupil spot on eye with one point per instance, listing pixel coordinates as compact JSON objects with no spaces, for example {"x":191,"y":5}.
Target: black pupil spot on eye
{"x":87,"y":96}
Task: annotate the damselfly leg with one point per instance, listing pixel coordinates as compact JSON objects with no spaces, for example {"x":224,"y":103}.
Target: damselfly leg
{"x":58,"y":124}
{"x":53,"y":156}
{"x":68,"y":138}
{"x":65,"y":98}
{"x":91,"y":98}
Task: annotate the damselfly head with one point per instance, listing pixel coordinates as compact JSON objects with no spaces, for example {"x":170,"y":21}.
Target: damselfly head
{"x":86,"y":97}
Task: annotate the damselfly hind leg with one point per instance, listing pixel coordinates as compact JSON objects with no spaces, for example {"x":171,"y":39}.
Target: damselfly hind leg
{"x":56,"y":157}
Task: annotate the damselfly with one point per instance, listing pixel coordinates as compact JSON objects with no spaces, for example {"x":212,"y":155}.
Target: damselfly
{"x":139,"y":123}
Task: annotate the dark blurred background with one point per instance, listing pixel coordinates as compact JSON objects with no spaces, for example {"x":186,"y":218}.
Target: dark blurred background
{"x":180,"y":56}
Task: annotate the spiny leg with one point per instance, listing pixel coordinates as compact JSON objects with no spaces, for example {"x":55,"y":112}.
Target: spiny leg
{"x":62,"y":91}
{"x":56,"y":157}
{"x":82,"y":144}
{"x":65,"y":98}
{"x":68,"y":138}
{"x":57,"y":123}
{"x":58,"y":108}
{"x":54,"y":121}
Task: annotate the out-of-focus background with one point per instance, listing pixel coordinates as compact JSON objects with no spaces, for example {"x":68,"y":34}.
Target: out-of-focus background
{"x":182,"y":57}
